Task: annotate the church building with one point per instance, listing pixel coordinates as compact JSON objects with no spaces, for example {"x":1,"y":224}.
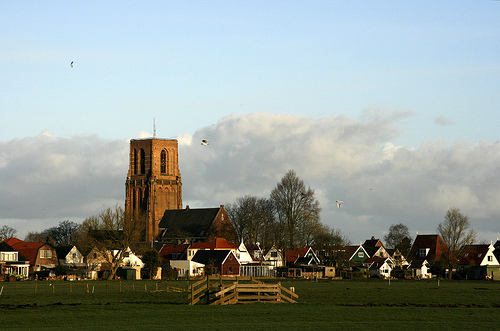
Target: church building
{"x":153,"y":182}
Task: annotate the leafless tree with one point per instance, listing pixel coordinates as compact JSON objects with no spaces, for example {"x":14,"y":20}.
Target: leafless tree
{"x":111,"y":233}
{"x":296,"y":208}
{"x":7,"y":232}
{"x":455,"y":233}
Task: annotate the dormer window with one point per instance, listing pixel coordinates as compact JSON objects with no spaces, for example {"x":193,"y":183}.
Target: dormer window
{"x":423,"y":252}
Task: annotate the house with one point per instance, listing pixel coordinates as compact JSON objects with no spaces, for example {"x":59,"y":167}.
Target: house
{"x":301,"y":257}
{"x":196,"y":225}
{"x":274,"y":257}
{"x":379,"y":266}
{"x":70,"y":256}
{"x":222,"y":262}
{"x":169,"y":252}
{"x":215,"y":244}
{"x":349,"y":259}
{"x":375,"y":247}
{"x":420,"y":269}
{"x":428,"y":248}
{"x":97,"y":261}
{"x":256,"y":252}
{"x":355,"y":254}
{"x":187,"y":268}
{"x":398,"y":258}
{"x":41,"y":255}
{"x":253,"y":262}
{"x":12,"y":262}
{"x":478,"y":262}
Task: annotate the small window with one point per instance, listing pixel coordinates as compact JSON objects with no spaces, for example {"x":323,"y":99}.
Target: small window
{"x":274,"y":254}
{"x":361,"y":254}
{"x":490,"y":258}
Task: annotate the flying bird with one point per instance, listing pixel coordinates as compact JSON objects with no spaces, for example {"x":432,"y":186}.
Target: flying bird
{"x":204,"y":142}
{"x":71,"y":64}
{"x":339,"y":202}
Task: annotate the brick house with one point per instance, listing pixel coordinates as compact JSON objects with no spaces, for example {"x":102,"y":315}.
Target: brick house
{"x":41,"y":255}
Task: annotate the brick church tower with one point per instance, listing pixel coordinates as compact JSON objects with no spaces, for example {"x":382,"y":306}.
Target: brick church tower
{"x":154,"y":181}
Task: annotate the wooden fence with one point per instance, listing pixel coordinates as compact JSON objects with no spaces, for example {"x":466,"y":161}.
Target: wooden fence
{"x":212,"y":290}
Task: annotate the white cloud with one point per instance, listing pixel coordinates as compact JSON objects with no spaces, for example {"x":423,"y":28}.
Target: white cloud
{"x":443,"y":121}
{"x":51,"y":178}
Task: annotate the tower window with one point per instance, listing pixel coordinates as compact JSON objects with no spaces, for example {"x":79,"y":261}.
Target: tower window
{"x":143,"y":161}
{"x":163,"y":162}
{"x":134,"y":161}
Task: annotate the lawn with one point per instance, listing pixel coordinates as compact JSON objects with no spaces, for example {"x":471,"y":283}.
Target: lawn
{"x":345,"y":304}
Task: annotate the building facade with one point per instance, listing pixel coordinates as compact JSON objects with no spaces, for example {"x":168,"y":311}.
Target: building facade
{"x":153,"y":182}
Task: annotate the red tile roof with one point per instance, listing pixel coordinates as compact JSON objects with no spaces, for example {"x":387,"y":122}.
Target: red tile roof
{"x":216,"y":243}
{"x":28,"y":249}
{"x":473,"y":254}
{"x":293,"y":255}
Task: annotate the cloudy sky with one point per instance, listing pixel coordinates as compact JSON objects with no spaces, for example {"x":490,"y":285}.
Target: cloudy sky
{"x":392,"y":107}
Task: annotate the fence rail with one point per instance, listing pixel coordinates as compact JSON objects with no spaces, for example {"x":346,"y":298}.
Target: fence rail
{"x":219,"y":293}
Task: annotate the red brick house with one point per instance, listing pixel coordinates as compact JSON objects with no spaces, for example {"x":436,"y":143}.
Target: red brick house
{"x":222,"y":262}
{"x":41,"y":255}
{"x":430,"y":249}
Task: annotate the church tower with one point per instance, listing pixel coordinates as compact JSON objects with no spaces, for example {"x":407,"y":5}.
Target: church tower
{"x":154,"y":181}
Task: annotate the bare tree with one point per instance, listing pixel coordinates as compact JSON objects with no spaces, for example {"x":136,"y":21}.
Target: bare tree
{"x":455,"y":233}
{"x":64,"y":233}
{"x":7,"y":232}
{"x":295,"y":206}
{"x":399,"y":238}
{"x":111,"y":234}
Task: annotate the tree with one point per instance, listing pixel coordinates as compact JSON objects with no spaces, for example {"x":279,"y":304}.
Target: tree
{"x":328,"y":241}
{"x":454,"y":231}
{"x":399,"y":238}
{"x":34,"y":236}
{"x":64,"y":233}
{"x":295,"y":207}
{"x":151,"y":260}
{"x":7,"y":232}
{"x":112,"y":233}
{"x":252,"y":218}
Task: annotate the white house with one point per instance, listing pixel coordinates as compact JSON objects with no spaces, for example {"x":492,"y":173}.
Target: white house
{"x":187,"y":268}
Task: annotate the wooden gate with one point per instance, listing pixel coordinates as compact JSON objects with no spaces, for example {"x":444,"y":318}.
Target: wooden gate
{"x":212,"y":290}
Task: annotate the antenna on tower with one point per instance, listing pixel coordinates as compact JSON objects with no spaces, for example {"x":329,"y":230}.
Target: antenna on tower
{"x":154,"y":128}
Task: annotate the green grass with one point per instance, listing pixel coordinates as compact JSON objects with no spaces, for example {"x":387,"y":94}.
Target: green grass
{"x":346,"y":304}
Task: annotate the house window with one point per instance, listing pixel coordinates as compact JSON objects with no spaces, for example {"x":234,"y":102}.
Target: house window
{"x":361,"y":254}
{"x":490,"y":258}
{"x":45,"y":254}
{"x":423,"y":252}
{"x":74,"y":255}
{"x":274,"y":254}
{"x":231,"y":269}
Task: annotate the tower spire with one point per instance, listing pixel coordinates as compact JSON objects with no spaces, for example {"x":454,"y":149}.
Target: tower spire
{"x":154,"y":128}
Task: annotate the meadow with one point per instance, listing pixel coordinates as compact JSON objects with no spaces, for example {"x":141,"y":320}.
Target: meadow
{"x":326,"y":304}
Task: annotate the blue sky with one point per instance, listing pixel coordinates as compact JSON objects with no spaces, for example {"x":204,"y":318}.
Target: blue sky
{"x":426,"y":72}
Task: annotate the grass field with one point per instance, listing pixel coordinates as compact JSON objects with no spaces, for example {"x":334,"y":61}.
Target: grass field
{"x":345,"y":304}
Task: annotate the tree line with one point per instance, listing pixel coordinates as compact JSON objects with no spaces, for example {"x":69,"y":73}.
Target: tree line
{"x":289,"y":218}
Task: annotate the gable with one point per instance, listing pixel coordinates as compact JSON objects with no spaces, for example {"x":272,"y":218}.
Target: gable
{"x":427,"y":247}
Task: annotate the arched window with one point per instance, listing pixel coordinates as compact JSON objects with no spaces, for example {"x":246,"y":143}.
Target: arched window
{"x":163,"y":162}
{"x":134,"y":161}
{"x":143,"y":161}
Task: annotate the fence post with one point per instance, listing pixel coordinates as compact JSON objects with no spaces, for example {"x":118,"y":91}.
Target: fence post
{"x":208,"y":290}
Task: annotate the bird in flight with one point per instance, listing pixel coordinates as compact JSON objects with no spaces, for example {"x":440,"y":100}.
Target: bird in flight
{"x":204,"y":142}
{"x":339,"y":202}
{"x":71,"y":64}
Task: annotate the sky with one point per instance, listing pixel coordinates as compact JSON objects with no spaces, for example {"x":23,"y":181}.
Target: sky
{"x":391,"y":106}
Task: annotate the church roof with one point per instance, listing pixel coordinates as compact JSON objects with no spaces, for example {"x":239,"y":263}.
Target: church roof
{"x":188,"y":222}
